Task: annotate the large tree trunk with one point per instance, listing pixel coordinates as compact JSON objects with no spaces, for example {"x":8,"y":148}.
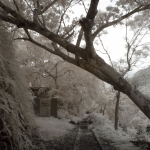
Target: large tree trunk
{"x":109,"y":75}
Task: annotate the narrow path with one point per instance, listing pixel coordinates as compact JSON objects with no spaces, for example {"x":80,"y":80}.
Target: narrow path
{"x":80,"y":138}
{"x":86,"y":140}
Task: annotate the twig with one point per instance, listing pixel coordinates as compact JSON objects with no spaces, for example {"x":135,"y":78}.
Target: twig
{"x":106,"y":52}
{"x":138,"y":9}
{"x":47,"y":7}
{"x":15,"y":3}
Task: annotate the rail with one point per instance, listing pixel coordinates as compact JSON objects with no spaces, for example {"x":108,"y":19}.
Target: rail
{"x":85,"y":138}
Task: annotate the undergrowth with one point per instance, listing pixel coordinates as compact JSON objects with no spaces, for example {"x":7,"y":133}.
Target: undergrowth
{"x":16,"y":102}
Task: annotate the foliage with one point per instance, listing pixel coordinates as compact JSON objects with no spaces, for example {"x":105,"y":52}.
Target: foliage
{"x":50,"y":27}
{"x":76,"y":93}
{"x":16,"y":102}
{"x":141,"y":80}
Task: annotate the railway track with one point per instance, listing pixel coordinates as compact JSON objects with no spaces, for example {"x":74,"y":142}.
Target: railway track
{"x":81,"y":138}
{"x":85,"y":138}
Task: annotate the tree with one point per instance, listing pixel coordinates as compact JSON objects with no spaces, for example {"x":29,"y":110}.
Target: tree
{"x":136,"y":50}
{"x":33,"y":17}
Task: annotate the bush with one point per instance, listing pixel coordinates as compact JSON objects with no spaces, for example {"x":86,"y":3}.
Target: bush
{"x":16,"y":102}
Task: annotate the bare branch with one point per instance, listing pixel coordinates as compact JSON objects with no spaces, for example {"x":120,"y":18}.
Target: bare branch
{"x":7,"y":18}
{"x":84,"y":6}
{"x":128,"y":51}
{"x":55,"y":47}
{"x":78,"y":42}
{"x":62,"y":16}
{"x":29,"y":5}
{"x":67,"y":33}
{"x":79,"y":37}
{"x":36,"y":43}
{"x":134,"y":49}
{"x":28,"y":34}
{"x":9,"y":10}
{"x":15,"y":3}
{"x":47,"y":7}
{"x":43,"y":19}
{"x":76,"y":2}
{"x":106,"y":52}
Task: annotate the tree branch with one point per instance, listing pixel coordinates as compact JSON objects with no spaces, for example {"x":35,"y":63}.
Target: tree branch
{"x":28,"y":34}
{"x":7,"y":18}
{"x":78,"y":42}
{"x":138,"y":9}
{"x":84,"y":6}
{"x":87,"y":24}
{"x":106,"y":52}
{"x":9,"y":10}
{"x":92,"y":10}
{"x":47,"y":7}
{"x":65,"y":35}
{"x":62,"y":16}
{"x":79,"y":37}
{"x":69,"y":35}
{"x":128,"y":51}
{"x":15,"y":3}
{"x":83,"y":64}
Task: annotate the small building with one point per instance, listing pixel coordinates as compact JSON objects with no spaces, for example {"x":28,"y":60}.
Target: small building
{"x":44,"y":106}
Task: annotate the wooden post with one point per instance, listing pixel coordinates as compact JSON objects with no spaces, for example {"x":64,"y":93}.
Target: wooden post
{"x":37,"y":106}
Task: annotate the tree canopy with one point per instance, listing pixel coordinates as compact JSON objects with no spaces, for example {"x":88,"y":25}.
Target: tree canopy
{"x":54,"y":30}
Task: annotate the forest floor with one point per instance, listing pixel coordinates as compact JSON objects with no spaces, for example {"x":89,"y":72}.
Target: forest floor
{"x":143,"y":145}
{"x":66,"y":143}
{"x":59,"y":134}
{"x":62,"y":143}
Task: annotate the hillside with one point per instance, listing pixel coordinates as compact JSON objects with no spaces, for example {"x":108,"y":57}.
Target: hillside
{"x":142,"y":80}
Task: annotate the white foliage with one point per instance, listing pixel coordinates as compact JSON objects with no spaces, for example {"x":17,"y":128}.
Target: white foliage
{"x":16,"y":102}
{"x":50,"y":128}
{"x":104,"y":127}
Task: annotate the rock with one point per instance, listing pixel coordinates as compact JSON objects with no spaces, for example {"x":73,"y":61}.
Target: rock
{"x":72,"y":122}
